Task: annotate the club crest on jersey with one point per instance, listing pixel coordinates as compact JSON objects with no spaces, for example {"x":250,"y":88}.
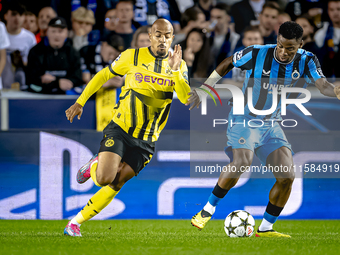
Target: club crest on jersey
{"x":109,"y":142}
{"x":242,"y":140}
{"x":295,"y":75}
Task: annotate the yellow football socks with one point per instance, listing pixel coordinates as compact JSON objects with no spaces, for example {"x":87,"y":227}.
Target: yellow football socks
{"x":93,"y":174}
{"x":97,"y":203}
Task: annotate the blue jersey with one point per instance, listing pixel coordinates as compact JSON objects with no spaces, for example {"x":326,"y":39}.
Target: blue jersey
{"x":265,"y":71}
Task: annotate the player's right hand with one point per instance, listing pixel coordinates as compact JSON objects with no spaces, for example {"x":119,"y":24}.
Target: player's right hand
{"x":75,"y":110}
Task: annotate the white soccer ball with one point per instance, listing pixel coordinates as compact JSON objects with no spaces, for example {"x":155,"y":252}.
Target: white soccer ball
{"x":239,"y":224}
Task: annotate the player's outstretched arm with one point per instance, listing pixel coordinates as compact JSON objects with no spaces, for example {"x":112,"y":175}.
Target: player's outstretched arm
{"x":92,"y":87}
{"x":328,"y":89}
{"x":222,"y":69}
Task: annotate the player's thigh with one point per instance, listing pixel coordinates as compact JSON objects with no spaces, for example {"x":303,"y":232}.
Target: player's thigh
{"x":125,"y":173}
{"x":112,"y":149}
{"x":108,"y":164}
{"x":267,"y":151}
{"x":243,"y":157}
{"x":281,"y":163}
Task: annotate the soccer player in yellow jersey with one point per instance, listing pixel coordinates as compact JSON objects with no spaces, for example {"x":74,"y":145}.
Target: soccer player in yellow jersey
{"x":152,"y":75}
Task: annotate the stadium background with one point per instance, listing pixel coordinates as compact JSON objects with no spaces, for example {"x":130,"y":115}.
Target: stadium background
{"x":41,"y":153}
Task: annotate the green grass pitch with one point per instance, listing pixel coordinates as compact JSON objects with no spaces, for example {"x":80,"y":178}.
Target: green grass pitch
{"x":164,"y":237}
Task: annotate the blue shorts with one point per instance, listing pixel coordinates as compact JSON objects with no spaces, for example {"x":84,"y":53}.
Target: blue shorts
{"x":262,"y":140}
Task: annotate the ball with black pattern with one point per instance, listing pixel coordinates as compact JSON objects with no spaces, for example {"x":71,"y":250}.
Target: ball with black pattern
{"x":239,"y":224}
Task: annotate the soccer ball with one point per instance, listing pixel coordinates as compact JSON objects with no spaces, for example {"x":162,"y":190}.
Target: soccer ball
{"x":239,"y":224}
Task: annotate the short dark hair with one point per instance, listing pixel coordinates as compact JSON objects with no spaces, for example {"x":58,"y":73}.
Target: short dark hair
{"x":251,"y":29}
{"x":222,"y":7}
{"x":333,"y":1}
{"x":133,"y":2}
{"x":190,"y":14}
{"x":271,"y":5}
{"x":291,"y":30}
{"x":15,"y":6}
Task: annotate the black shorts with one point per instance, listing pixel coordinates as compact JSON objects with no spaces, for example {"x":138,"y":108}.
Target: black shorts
{"x":135,"y":152}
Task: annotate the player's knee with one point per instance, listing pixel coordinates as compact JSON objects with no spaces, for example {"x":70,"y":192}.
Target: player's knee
{"x":104,"y":180}
{"x":286,"y":181}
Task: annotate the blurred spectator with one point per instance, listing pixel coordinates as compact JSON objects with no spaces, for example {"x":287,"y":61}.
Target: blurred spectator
{"x":95,"y":58}
{"x":111,"y":20}
{"x":124,"y":14}
{"x":224,"y":40}
{"x":196,"y":53}
{"x":282,"y":18}
{"x":183,"y":5}
{"x":308,"y":29}
{"x":53,"y":64}
{"x":268,"y":21}
{"x":64,"y":8}
{"x":307,"y":24}
{"x":193,"y":17}
{"x":206,"y":6}
{"x":21,"y":41}
{"x":246,"y":13}
{"x":82,"y":24}
{"x":314,"y":8}
{"x":31,"y":23}
{"x":141,"y":37}
{"x":251,"y":36}
{"x":4,"y":44}
{"x":44,"y":17}
{"x":147,"y":11}
{"x":328,"y":38}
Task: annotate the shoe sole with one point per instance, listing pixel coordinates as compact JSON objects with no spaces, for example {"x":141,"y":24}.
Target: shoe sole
{"x":196,"y":226}
{"x":81,"y":172}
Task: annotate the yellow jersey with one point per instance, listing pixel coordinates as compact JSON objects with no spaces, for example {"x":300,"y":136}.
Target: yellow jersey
{"x":144,"y":105}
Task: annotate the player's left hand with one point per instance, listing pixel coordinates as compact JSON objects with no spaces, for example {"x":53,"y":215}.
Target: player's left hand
{"x":337,"y":91}
{"x":175,"y":58}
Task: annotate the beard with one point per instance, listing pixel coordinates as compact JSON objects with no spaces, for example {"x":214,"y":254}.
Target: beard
{"x":161,"y":53}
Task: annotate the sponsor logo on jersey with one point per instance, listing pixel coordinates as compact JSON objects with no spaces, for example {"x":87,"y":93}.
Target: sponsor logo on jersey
{"x":279,"y":87}
{"x":154,"y":80}
{"x":266,"y":73}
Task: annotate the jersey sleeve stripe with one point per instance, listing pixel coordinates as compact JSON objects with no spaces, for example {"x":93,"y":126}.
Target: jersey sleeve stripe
{"x":113,"y":72}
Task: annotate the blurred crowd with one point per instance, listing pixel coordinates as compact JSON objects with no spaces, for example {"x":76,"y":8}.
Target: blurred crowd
{"x":56,"y":46}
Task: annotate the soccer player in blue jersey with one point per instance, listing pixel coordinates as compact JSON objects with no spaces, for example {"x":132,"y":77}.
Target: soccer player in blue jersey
{"x":282,"y":64}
